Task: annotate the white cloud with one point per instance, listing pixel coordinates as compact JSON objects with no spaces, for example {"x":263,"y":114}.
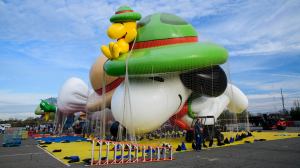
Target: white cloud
{"x":271,"y":82}
{"x":14,"y":98}
{"x":290,"y":75}
{"x":86,"y":20}
{"x":18,"y":115}
{"x":265,"y":25}
{"x":19,"y":105}
{"x":185,"y":8}
{"x":267,"y":48}
{"x":44,"y":20}
{"x":263,"y":96}
{"x":67,"y":55}
{"x":289,"y":84}
{"x":264,"y":92}
{"x":69,"y":33}
{"x":270,"y":102}
{"x":257,"y":27}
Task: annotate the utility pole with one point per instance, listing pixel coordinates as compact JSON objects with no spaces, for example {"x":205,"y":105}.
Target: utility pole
{"x":282,"y":100}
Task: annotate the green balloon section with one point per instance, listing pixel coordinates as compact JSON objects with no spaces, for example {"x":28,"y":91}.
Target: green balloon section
{"x":45,"y":107}
{"x":125,"y":16}
{"x":166,"y":58}
{"x":163,"y":26}
{"x":38,"y":111}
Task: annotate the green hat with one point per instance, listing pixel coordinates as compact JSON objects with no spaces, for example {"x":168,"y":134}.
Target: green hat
{"x":38,"y":110}
{"x":125,"y":13}
{"x":47,"y":107}
{"x":166,"y":43}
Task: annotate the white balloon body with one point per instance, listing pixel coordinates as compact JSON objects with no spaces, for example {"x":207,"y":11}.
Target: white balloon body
{"x":98,"y":114}
{"x":148,"y":103}
{"x":73,"y":96}
{"x":233,"y":99}
{"x":95,"y":101}
{"x":238,"y":100}
{"x":210,"y":106}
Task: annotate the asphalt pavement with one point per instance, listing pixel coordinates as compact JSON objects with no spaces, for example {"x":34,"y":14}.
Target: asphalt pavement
{"x":28,"y":155}
{"x":278,"y":153}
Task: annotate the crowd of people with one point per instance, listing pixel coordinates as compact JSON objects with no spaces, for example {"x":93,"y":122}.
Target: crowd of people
{"x":165,"y":134}
{"x":41,"y":128}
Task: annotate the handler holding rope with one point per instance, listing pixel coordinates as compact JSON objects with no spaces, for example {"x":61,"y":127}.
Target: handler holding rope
{"x":198,"y":129}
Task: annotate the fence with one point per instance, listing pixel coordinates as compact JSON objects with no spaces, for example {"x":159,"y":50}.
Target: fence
{"x":128,"y":153}
{"x":12,"y":137}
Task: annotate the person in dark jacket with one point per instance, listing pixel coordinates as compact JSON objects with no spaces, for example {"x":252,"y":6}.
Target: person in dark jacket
{"x":198,"y":130}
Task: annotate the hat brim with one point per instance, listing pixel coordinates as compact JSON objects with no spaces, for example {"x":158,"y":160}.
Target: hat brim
{"x":164,"y":59}
{"x":123,"y":17}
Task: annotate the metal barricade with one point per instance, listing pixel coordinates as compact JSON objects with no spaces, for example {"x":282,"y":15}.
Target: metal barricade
{"x":129,"y":153}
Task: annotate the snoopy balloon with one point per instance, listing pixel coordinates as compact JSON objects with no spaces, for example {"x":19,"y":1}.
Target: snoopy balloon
{"x":171,"y":76}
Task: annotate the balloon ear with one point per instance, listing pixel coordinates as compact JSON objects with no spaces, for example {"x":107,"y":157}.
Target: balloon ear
{"x":211,"y":81}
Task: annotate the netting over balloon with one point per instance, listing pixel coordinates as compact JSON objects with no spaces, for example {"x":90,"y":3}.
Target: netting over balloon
{"x":155,"y":77}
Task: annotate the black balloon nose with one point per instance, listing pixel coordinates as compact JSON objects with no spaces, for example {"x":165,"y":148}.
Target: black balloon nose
{"x":211,"y":81}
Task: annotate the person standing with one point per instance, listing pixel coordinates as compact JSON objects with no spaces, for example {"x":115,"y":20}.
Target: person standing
{"x":198,"y":131}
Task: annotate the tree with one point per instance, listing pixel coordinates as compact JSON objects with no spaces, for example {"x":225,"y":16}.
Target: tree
{"x":295,"y":110}
{"x":22,"y":123}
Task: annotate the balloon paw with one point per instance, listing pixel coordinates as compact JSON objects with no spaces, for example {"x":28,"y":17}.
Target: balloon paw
{"x":106,"y":51}
{"x":115,"y":51}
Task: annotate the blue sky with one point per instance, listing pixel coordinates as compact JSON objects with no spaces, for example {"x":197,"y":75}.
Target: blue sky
{"x":43,"y":43}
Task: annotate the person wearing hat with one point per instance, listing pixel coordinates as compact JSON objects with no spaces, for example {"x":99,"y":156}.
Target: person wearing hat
{"x":123,"y":29}
{"x":198,"y":132}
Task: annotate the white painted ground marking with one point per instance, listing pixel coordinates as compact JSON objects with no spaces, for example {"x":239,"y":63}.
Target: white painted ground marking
{"x":20,"y":154}
{"x":209,"y":159}
{"x":213,"y":159}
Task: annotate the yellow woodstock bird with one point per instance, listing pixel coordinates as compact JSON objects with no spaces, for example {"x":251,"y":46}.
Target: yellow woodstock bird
{"x":124,"y":29}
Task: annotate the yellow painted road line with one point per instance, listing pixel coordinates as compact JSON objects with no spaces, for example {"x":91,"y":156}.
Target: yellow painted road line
{"x":53,"y":156}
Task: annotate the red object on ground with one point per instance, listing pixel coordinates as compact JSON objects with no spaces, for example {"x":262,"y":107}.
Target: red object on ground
{"x":30,"y":133}
{"x":281,"y":123}
{"x":290,"y":123}
{"x":40,"y":135}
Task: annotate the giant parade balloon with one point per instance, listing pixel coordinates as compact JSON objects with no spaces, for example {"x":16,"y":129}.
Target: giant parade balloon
{"x":47,"y":109}
{"x":155,"y":70}
{"x":73,"y":96}
{"x":103,"y":85}
{"x":165,"y":58}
